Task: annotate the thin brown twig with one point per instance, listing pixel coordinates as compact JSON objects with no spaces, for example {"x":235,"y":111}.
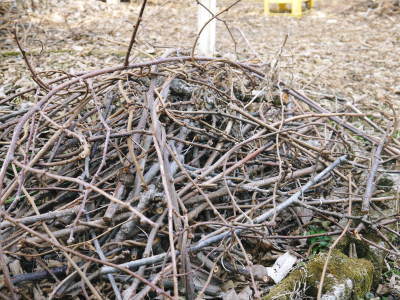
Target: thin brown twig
{"x":35,"y":77}
{"x":346,"y":228}
{"x":134,"y":33}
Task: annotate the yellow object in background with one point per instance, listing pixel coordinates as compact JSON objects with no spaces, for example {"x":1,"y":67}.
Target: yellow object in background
{"x":296,"y":6}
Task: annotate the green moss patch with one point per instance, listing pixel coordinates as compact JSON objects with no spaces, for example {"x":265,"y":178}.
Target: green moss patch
{"x":341,"y":270}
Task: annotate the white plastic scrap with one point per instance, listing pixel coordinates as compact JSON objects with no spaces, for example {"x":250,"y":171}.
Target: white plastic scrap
{"x":281,"y":267}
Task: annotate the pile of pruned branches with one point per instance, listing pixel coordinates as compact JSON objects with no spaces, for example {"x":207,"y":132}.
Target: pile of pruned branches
{"x":171,"y":177}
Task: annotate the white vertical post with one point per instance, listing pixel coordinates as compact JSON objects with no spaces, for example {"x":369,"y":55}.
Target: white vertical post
{"x":207,"y":37}
{"x":112,"y":2}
